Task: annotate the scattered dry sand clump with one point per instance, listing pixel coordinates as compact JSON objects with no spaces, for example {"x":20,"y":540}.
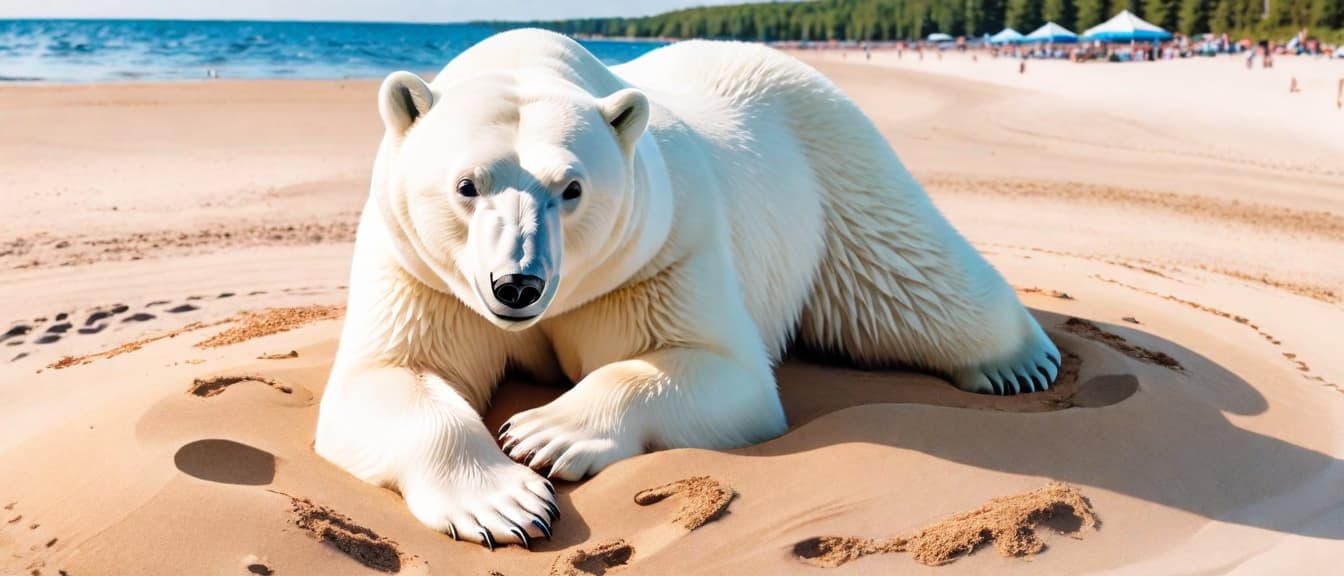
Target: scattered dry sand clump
{"x":1051,"y":293}
{"x":132,"y":346}
{"x":594,"y":561}
{"x":207,"y":387}
{"x":706,"y":499}
{"x":1010,"y":522}
{"x":271,"y":321}
{"x":338,"y":530}
{"x":287,"y":355}
{"x":1087,"y":329}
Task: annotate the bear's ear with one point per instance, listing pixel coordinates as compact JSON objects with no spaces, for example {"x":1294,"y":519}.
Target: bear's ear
{"x":627,"y":111}
{"x":402,"y":99}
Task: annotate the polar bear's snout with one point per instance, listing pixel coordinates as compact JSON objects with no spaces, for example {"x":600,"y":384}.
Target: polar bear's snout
{"x":516,"y":239}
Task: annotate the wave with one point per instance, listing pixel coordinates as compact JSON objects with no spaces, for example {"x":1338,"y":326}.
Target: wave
{"x":121,"y":50}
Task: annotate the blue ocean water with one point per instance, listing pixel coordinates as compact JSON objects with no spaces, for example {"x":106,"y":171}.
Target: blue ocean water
{"x":144,"y":50}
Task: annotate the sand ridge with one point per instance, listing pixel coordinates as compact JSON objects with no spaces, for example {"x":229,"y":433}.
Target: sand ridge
{"x":271,"y":321}
{"x":1010,"y":522}
{"x":341,"y":532}
{"x":1089,"y":330}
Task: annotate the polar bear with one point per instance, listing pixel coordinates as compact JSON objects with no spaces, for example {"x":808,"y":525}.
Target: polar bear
{"x":656,"y":232}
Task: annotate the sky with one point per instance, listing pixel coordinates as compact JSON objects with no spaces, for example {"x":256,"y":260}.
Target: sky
{"x":353,"y":10}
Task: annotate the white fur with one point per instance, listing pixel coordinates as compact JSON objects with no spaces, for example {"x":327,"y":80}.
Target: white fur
{"x":734,"y":201}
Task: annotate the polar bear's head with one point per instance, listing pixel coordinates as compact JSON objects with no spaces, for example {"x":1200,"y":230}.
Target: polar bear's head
{"x":497,"y":190}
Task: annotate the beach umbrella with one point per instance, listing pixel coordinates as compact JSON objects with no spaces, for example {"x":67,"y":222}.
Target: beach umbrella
{"x":1125,"y":27}
{"x":1006,"y":36}
{"x":939,"y":37}
{"x":1051,"y":32}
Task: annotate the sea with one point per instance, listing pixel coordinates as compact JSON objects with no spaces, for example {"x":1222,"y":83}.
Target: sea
{"x":82,"y":51}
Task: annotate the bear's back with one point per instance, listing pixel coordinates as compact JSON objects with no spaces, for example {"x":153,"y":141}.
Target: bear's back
{"x":738,"y":72}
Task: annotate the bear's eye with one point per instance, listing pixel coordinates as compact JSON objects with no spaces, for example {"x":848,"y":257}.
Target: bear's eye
{"x":573,"y":191}
{"x":467,"y":188}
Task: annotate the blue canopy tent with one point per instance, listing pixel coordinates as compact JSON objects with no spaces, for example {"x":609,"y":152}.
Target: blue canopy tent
{"x":1006,"y":36}
{"x":1051,"y":32}
{"x":1126,"y":27}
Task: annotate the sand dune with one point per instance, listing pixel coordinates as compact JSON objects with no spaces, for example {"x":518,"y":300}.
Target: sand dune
{"x":1195,"y":292}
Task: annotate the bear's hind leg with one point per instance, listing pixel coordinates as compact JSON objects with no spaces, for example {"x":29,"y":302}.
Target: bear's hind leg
{"x":899,"y":287}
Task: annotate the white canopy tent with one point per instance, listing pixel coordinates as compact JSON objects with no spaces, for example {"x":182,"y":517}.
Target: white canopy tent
{"x":1006,"y":36}
{"x":1051,"y":32}
{"x":1126,"y":27}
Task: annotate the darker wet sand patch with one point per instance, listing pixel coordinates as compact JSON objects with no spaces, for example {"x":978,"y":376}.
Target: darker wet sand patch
{"x":1010,"y":522}
{"x":1091,"y":331}
{"x":596,"y":561}
{"x":207,"y":387}
{"x":344,"y":534}
{"x":271,"y":321}
{"x":226,"y":462}
{"x":705,"y":499}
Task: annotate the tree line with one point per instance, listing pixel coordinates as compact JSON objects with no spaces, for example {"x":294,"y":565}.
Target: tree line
{"x":880,"y":20}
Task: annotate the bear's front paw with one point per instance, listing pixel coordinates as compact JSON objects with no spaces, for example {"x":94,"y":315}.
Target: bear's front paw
{"x":1032,"y":369}
{"x":492,"y":503}
{"x":572,"y":444}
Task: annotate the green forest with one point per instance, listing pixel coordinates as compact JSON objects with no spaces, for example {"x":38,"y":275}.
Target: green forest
{"x":910,"y":19}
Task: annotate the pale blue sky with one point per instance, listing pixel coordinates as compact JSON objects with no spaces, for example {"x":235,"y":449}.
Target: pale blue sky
{"x":378,"y":10}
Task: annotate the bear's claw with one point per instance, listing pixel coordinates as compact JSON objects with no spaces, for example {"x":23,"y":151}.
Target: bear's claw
{"x":1032,"y":370}
{"x":493,"y":506}
{"x":540,"y":439}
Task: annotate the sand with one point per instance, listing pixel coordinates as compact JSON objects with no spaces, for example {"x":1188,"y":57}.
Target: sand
{"x":1197,"y":229}
{"x":1010,"y":522}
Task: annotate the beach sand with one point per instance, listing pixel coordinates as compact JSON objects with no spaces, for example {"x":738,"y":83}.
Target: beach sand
{"x":1186,"y":256}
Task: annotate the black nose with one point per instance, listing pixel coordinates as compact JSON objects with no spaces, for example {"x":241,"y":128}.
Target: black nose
{"x":518,"y":290}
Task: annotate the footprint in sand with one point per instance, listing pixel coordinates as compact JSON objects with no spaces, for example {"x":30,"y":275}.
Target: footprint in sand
{"x":594,"y":561}
{"x":157,"y":303}
{"x":705,"y":499}
{"x":183,"y":308}
{"x":24,"y":542}
{"x":48,"y":339}
{"x":1010,"y":522}
{"x":138,"y":317}
{"x":16,"y":331}
{"x":216,"y":385}
{"x":345,"y":535}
